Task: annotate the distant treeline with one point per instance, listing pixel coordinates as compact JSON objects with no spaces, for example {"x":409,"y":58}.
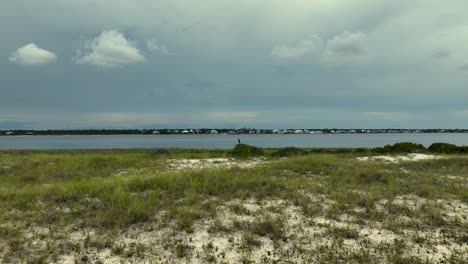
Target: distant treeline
{"x":110,"y":132}
{"x":219,"y":131}
{"x":76,"y":132}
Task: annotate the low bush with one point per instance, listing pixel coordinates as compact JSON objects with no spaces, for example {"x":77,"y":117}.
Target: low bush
{"x":245,"y":151}
{"x":269,"y":227}
{"x":447,"y":148}
{"x":402,"y":147}
{"x":289,"y":152}
{"x":443,"y":148}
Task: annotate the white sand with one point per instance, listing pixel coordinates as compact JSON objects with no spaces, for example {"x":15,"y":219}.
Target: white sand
{"x":400,"y":158}
{"x":182,"y":164}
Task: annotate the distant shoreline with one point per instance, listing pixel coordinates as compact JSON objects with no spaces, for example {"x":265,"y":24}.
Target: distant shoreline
{"x":224,"y":131}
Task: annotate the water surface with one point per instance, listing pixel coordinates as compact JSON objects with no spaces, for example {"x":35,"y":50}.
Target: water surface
{"x":224,"y":141}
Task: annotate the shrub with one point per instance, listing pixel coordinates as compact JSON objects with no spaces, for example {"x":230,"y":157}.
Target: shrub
{"x":344,"y":232}
{"x":159,"y":152}
{"x":245,"y":151}
{"x":269,"y":227}
{"x":288,"y":152}
{"x":443,"y":148}
{"x":463,"y":149}
{"x":447,"y":148}
{"x":402,"y":147}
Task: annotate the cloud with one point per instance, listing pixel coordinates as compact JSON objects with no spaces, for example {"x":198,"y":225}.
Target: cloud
{"x":464,"y":67}
{"x":270,"y":44}
{"x":313,"y":45}
{"x":347,"y":47}
{"x":232,"y":116}
{"x":109,"y":49}
{"x":347,"y":44}
{"x":32,"y":55}
{"x":441,"y":54}
{"x":153,"y":45}
{"x":387,"y":115}
{"x":15,"y":125}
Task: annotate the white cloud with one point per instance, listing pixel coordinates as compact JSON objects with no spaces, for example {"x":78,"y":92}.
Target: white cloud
{"x":310,"y":46}
{"x":154,"y":46}
{"x":347,"y":44}
{"x":111,"y":48}
{"x":32,"y":55}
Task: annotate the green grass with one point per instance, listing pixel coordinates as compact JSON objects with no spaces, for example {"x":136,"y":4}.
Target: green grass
{"x":113,"y":190}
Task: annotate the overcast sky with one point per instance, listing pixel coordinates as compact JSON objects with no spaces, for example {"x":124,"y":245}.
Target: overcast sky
{"x":217,"y":63}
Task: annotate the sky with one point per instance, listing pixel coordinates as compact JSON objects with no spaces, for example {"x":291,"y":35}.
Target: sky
{"x":246,"y":63}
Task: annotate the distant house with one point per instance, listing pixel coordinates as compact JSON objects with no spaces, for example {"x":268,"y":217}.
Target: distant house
{"x":276,"y":131}
{"x":9,"y":133}
{"x":298,"y":131}
{"x":155,"y":132}
{"x":214,"y":132}
{"x":185,"y":132}
{"x":30,"y":133}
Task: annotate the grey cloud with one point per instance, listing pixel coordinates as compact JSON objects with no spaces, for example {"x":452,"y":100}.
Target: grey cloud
{"x":464,"y":67}
{"x":309,"y":46}
{"x":15,"y":125}
{"x":347,"y":44}
{"x":441,"y":54}
{"x":154,"y":46}
{"x":338,"y":49}
{"x":268,"y":62}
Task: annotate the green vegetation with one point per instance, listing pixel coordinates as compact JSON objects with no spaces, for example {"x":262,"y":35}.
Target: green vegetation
{"x":410,"y":147}
{"x":289,"y":152}
{"x":246,"y":151}
{"x":316,"y":206}
{"x":403,"y":147}
{"x":447,"y":148}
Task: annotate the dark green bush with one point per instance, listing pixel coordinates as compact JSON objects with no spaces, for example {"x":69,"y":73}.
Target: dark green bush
{"x":402,"y":147}
{"x":158,"y":152}
{"x":289,"y":152}
{"x":463,"y":149}
{"x":245,"y":151}
{"x":444,"y":148}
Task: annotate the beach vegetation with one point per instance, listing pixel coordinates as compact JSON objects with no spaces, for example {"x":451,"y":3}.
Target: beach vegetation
{"x":92,"y":206}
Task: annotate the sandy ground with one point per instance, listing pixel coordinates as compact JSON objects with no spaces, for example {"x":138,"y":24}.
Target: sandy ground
{"x":304,"y":236}
{"x":400,"y":158}
{"x":182,"y":164}
{"x":159,"y":242}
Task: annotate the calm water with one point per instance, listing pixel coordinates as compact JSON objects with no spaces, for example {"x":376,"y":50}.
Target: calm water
{"x":223,"y":141}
